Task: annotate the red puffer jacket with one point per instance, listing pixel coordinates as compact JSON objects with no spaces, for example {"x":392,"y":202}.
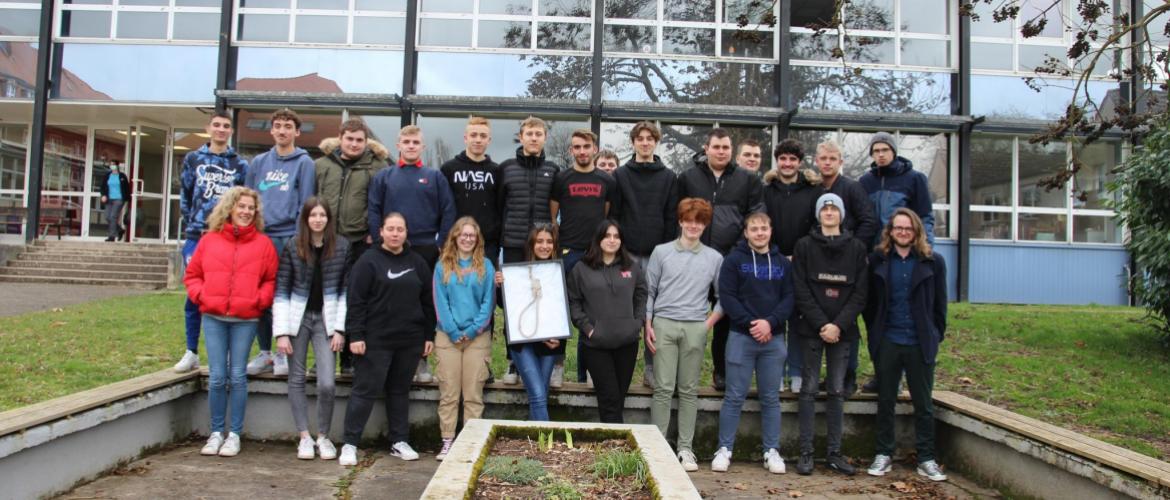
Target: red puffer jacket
{"x":233,"y":273}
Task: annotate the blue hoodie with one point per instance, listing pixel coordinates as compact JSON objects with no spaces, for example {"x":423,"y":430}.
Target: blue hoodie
{"x":420,"y":194}
{"x":284,"y":183}
{"x":205,"y":177}
{"x":464,"y":305}
{"x":756,"y":286}
{"x":899,"y":185}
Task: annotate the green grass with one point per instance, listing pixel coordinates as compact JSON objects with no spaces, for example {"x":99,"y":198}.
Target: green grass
{"x":1099,"y":370}
{"x":515,"y":470}
{"x":613,"y":464}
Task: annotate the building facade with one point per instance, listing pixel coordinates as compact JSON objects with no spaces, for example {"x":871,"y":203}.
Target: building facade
{"x":132,"y":82}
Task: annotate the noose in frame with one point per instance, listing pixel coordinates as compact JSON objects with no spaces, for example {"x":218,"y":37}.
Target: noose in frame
{"x":534,"y":305}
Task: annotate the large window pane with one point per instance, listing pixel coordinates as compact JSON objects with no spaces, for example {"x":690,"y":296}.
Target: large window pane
{"x":319,"y":70}
{"x":680,"y":143}
{"x":458,"y":6}
{"x":60,"y":214}
{"x":381,"y":5}
{"x":13,"y":153}
{"x":138,"y":72}
{"x":13,"y":223}
{"x":855,"y":153}
{"x":986,"y":25}
{"x":870,"y":15}
{"x":930,"y":155}
{"x":689,"y":10}
{"x":615,"y":136}
{"x":445,"y":32}
{"x":830,"y":88}
{"x":1038,"y":162}
{"x":323,"y":4}
{"x":755,"y":44}
{"x":65,"y":152}
{"x":812,"y":13}
{"x":265,"y":4}
{"x":1008,"y":97}
{"x":870,"y":49}
{"x":20,"y":22}
{"x":1043,"y":227}
{"x":320,"y":29}
{"x":89,"y":24}
{"x":925,"y":53}
{"x":263,"y":28}
{"x":1097,"y":163}
{"x":991,"y":225}
{"x":1043,"y":8}
{"x":925,"y":16}
{"x":660,"y":80}
{"x":379,"y":30}
{"x":146,"y":25}
{"x":196,"y":26}
{"x":991,"y":171}
{"x":19,"y":75}
{"x":942,"y":224}
{"x":812,"y":47}
{"x":688,"y":41}
{"x":1092,"y":229}
{"x":565,"y":8}
{"x":505,"y":34}
{"x":513,"y":7}
{"x":563,"y":36}
{"x":1035,"y":56}
{"x":634,"y":39}
{"x":991,"y":56}
{"x":626,"y":9}
{"x":552,"y":77}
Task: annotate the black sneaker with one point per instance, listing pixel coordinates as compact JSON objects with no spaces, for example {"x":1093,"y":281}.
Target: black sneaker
{"x":718,"y":382}
{"x":840,"y":464}
{"x":870,"y":387}
{"x":804,"y":465}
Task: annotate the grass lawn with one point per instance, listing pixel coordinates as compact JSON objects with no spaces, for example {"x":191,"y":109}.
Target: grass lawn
{"x":1099,"y":370}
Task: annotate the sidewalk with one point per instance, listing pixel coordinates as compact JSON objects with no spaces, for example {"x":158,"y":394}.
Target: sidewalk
{"x":20,"y":298}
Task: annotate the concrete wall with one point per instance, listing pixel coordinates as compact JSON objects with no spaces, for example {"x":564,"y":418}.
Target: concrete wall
{"x":9,"y":252}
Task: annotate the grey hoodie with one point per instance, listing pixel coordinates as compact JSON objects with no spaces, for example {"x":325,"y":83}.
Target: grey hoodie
{"x":284,"y":183}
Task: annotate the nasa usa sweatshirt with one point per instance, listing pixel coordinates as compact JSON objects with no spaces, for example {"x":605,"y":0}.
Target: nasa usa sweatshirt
{"x":284,"y":184}
{"x":473,"y":184}
{"x":389,"y":301}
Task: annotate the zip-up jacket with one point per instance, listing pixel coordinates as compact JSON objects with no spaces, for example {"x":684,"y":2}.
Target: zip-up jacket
{"x":899,"y":185}
{"x":859,"y":218}
{"x":293,"y":283}
{"x":525,"y":187}
{"x":346,"y":190}
{"x":389,"y":302}
{"x":647,"y":206}
{"x":123,"y":184}
{"x":608,"y":301}
{"x":791,"y":207}
{"x":464,"y":305}
{"x":420,"y":194}
{"x":928,"y":303}
{"x":733,"y":196}
{"x":474,"y":185}
{"x":756,"y":286}
{"x":205,"y":177}
{"x":232,"y":273}
{"x":284,"y":183}
{"x":831,"y":281}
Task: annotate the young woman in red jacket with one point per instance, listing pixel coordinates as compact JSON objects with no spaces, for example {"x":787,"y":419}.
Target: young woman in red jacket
{"x":232,"y":278}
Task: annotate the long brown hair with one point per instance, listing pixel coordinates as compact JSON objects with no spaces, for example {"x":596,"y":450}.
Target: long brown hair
{"x":450,"y":256}
{"x":223,"y":210}
{"x":304,"y":236}
{"x":919,"y":245}
{"x":542,"y":227}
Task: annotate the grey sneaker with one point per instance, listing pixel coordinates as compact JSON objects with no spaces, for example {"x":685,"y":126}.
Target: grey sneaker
{"x":648,"y":376}
{"x":841,"y":464}
{"x":260,"y":364}
{"x":880,"y":466}
{"x":557,"y":379}
{"x":804,"y":465}
{"x":511,"y":377}
{"x":687,"y":459}
{"x":931,"y":470}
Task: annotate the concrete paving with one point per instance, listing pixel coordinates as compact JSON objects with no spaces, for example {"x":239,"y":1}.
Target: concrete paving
{"x":270,"y":470}
{"x":20,"y":298}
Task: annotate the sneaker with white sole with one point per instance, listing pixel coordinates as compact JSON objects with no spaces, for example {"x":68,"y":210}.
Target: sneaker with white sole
{"x":557,"y":379}
{"x":796,"y":385}
{"x":260,"y":364}
{"x":348,"y":456}
{"x":931,"y":470}
{"x":447,"y":442}
{"x":687,"y":459}
{"x":880,"y":466}
{"x":774,"y":462}
{"x":721,"y":461}
{"x":214,"y":442}
{"x":325,"y":448}
{"x":589,"y":379}
{"x":189,"y":362}
{"x":511,"y":378}
{"x":280,"y":365}
{"x":423,"y":375}
{"x":403,"y":450}
{"x":231,"y":445}
{"x":305,"y":449}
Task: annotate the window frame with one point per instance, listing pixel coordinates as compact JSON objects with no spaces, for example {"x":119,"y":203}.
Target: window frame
{"x":115,"y":7}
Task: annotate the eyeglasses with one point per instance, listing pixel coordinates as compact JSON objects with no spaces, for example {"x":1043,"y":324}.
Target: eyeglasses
{"x":471,"y":236}
{"x":902,"y":229}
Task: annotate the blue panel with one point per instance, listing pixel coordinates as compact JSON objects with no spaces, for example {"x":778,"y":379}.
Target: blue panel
{"x":949,"y":250}
{"x":1017,"y":273}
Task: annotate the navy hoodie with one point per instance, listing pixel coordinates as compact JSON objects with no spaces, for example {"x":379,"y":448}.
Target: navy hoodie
{"x":756,"y":286}
{"x":206,"y":176}
{"x":284,"y":183}
{"x":899,"y":185}
{"x":419,"y":194}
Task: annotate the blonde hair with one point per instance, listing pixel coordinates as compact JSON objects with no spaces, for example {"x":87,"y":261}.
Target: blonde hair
{"x":919,"y":245}
{"x":478,"y":120}
{"x":410,"y":130}
{"x":829,"y":146}
{"x":533,"y":122}
{"x":222,"y":212}
{"x":450,"y":256}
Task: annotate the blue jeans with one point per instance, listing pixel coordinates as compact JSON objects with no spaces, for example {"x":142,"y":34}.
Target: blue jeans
{"x":535,"y":370}
{"x":224,"y":339}
{"x":569,"y":259}
{"x":745,"y":355}
{"x":190,"y":310}
{"x":795,"y":353}
{"x":264,"y":330}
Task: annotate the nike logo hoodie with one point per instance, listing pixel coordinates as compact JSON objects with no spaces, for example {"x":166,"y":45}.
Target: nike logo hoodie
{"x":390,"y":305}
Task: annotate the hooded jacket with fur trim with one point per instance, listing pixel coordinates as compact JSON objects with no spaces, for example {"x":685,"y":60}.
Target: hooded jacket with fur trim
{"x":346,"y":188}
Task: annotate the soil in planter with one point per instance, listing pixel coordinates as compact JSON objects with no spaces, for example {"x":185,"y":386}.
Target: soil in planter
{"x":561,"y":464}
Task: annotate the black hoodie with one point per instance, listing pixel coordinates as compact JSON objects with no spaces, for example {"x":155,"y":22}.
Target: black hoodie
{"x":831,"y":283}
{"x":647,"y":207}
{"x":791,"y":207}
{"x":474,"y":185}
{"x":733,"y":196}
{"x":389,"y":304}
{"x":524,"y":189}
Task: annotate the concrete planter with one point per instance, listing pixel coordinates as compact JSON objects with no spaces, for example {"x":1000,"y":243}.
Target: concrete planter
{"x":456,"y":477}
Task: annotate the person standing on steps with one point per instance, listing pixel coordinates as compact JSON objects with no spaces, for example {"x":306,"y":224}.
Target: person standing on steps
{"x":115,"y":192}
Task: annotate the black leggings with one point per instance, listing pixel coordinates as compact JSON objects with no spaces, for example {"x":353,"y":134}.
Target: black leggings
{"x":612,"y":370}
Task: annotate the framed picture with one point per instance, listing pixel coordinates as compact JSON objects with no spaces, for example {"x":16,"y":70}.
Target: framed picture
{"x":536,"y":305}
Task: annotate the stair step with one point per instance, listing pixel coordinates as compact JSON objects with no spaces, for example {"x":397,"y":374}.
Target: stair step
{"x":139,"y":284}
{"x":73,"y":272}
{"x":89,"y":266}
{"x":114,"y":250}
{"x":83,"y":259}
{"x":98,"y":245}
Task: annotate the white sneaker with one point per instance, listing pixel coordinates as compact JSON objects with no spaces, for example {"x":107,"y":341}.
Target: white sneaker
{"x":687,"y":459}
{"x":558,"y":377}
{"x":214,"y":442}
{"x":260,"y":364}
{"x":280,"y":364}
{"x":511,"y":378}
{"x":348,"y":456}
{"x":774,"y":462}
{"x":880,"y":466}
{"x":423,"y":375}
{"x":403,"y":450}
{"x":931,"y":470}
{"x":305,"y":450}
{"x":231,"y":445}
{"x":781,"y":385}
{"x":589,"y":379}
{"x":325,"y":448}
{"x":446,"y":449}
{"x":190,"y":361}
{"x":721,"y":461}
{"x":796,"y":385}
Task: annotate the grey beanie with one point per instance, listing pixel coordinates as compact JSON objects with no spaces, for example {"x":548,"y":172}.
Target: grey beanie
{"x":883,"y":137}
{"x":831,"y":200}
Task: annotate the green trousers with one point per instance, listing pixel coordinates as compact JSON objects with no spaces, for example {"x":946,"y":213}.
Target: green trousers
{"x":678,"y":364}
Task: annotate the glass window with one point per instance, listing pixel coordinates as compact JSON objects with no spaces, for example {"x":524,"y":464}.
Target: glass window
{"x":138,"y":72}
{"x":1032,"y":9}
{"x":319,"y":70}
{"x":379,"y":30}
{"x":1038,"y":162}
{"x":1097,"y":163}
{"x":925,"y":53}
{"x":11,"y":224}
{"x":658,"y":80}
{"x":20,"y":58}
{"x":689,"y":10}
{"x":680,"y":144}
{"x":84,"y":23}
{"x":456,"y":6}
{"x":265,"y":4}
{"x":754,"y":44}
{"x":812,"y":13}
{"x":985,"y":25}
{"x":870,"y":49}
{"x":565,"y":8}
{"x":926,"y":16}
{"x":20,"y":22}
{"x":1043,"y":227}
{"x":563,"y":36}
{"x":688,"y":41}
{"x":997,"y":56}
{"x":196,"y":26}
{"x":553,"y":77}
{"x":321,"y":29}
{"x":870,"y":15}
{"x":930,"y":155}
{"x":380,"y":5}
{"x":13,"y":154}
{"x":626,"y":9}
{"x":1008,"y":97}
{"x":615,"y":136}
{"x":323,"y":4}
{"x":253,"y":137}
{"x":855,"y":153}
{"x":263,"y":28}
{"x":511,"y":7}
{"x":1093,"y":229}
{"x":991,"y":171}
{"x":445,"y":32}
{"x":942,"y":224}
{"x":505,"y":34}
{"x":813,"y":47}
{"x":65,"y":152}
{"x":632,"y":39}
{"x":60,"y":213}
{"x":145,"y":25}
{"x":1035,"y":56}
{"x":872,"y":90}
{"x":991,"y":225}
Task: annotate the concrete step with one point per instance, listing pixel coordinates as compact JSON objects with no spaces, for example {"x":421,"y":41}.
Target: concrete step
{"x":98,"y":245}
{"x":73,"y":272}
{"x":83,"y":259}
{"x":139,"y":284}
{"x":128,"y":267}
{"x":124,"y":251}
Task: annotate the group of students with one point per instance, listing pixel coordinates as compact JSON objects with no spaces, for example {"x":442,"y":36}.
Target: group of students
{"x":394,"y":263}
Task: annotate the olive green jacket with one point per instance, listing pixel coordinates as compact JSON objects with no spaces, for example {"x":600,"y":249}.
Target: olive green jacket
{"x":345,"y":192}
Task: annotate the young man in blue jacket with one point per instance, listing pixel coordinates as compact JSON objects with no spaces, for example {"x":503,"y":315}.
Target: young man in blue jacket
{"x":285,"y":178}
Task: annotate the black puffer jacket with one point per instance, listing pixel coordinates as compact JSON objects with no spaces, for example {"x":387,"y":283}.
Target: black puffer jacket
{"x":733,"y":196}
{"x":524,"y":189}
{"x":647,"y":208}
{"x":831,"y":283}
{"x":791,"y":207}
{"x":294,"y":280}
